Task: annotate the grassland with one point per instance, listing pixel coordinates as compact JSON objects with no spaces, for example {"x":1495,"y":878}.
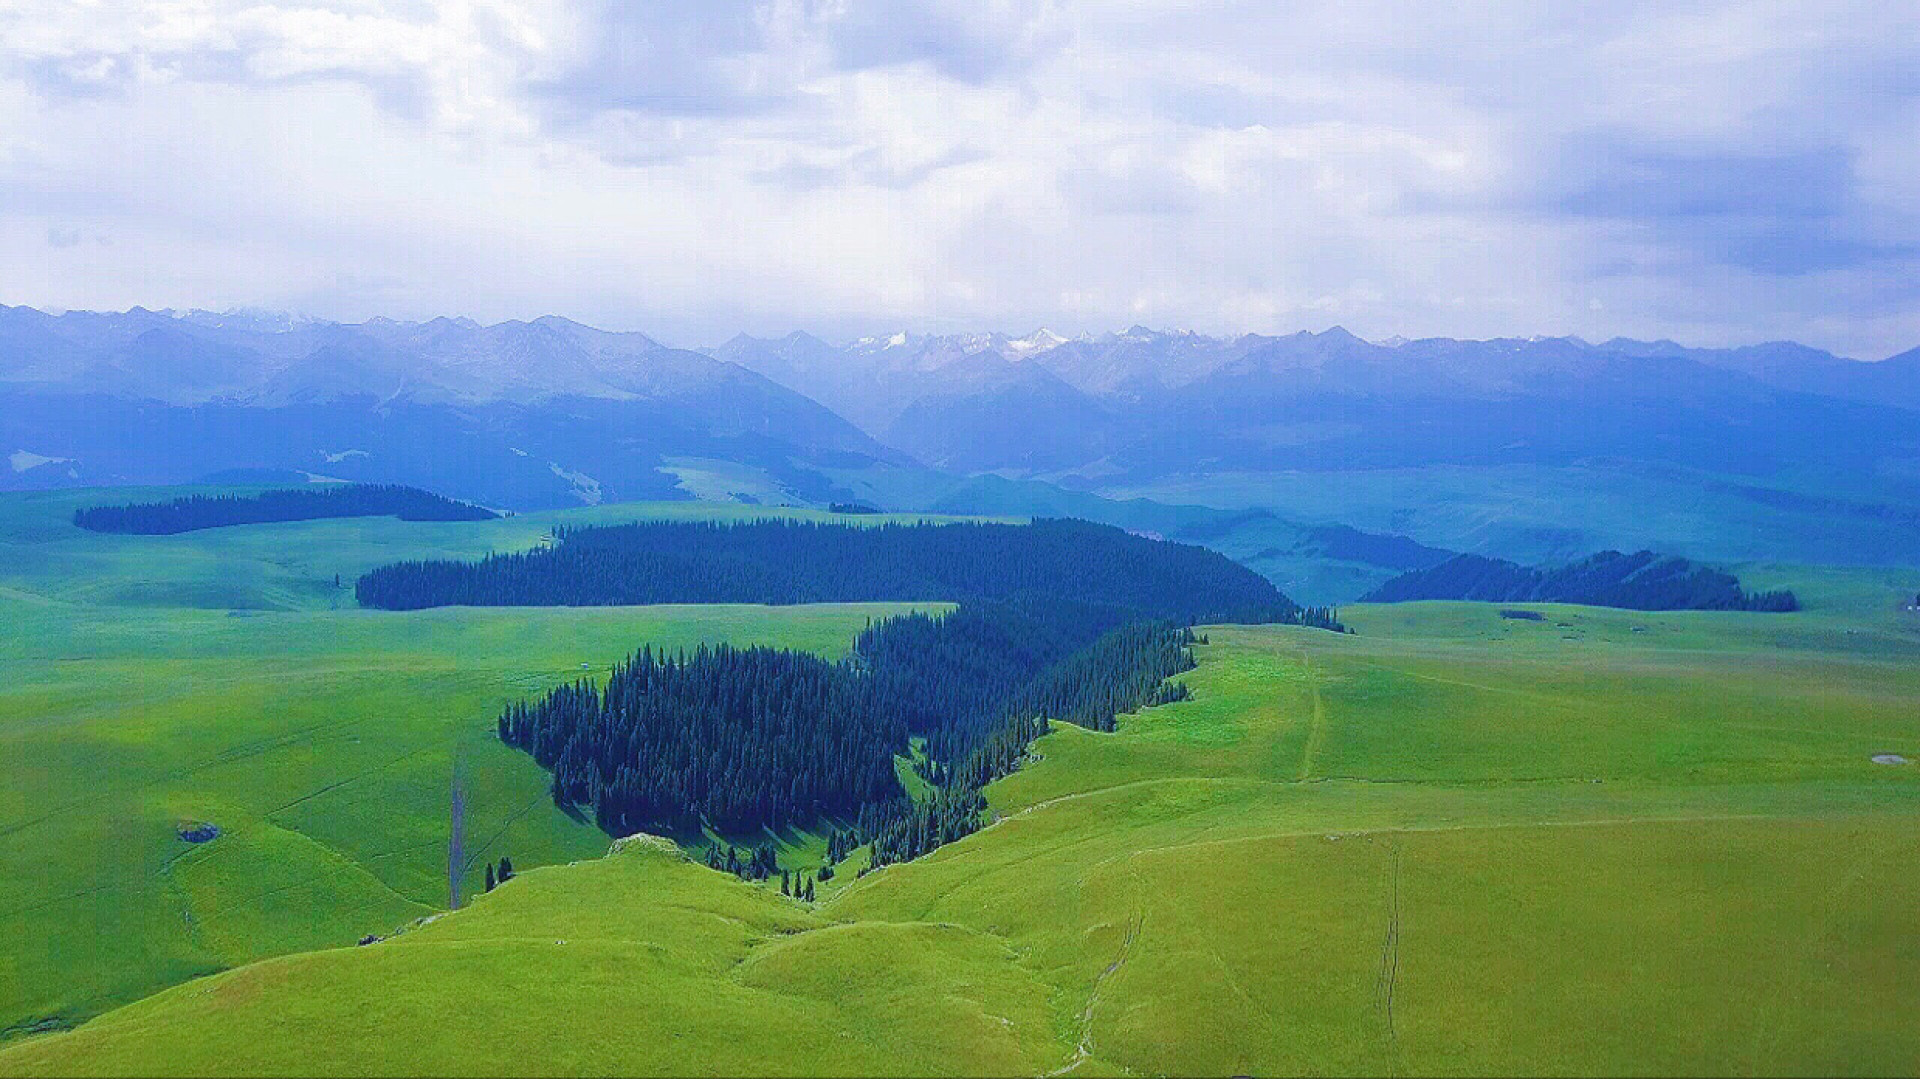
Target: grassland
{"x":222,"y":677}
{"x":1605,"y":841}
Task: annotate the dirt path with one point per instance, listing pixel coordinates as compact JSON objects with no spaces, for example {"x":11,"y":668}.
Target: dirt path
{"x":1389,"y":976}
{"x":1083,"y":1051}
{"x":1317,"y":732}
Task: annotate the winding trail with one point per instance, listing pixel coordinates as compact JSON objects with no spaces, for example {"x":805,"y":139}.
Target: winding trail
{"x":1389,"y":976}
{"x":1083,"y":1051}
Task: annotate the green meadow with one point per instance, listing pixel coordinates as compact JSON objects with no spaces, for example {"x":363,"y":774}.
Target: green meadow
{"x":151,"y":683}
{"x":1452,"y":843}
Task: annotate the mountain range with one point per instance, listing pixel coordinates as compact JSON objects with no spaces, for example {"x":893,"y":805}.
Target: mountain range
{"x":1267,"y":447}
{"x":1145,"y":403}
{"x":517,"y":414}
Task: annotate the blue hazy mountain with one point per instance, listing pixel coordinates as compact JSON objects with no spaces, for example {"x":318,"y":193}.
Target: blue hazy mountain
{"x":1538,"y":450}
{"x":1531,"y":449}
{"x":1145,"y":404}
{"x":518,"y":414}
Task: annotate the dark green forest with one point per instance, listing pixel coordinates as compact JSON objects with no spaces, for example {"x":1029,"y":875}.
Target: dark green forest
{"x":737,"y":738}
{"x":195,"y":512}
{"x":1060,"y":620}
{"x":785,"y":562}
{"x":1643,"y":581}
{"x":744,"y":739}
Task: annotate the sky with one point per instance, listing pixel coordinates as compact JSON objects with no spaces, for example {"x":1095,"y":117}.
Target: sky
{"x":1712,"y":173}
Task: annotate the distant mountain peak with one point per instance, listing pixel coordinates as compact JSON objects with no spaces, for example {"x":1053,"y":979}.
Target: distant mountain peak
{"x":1039,"y":340}
{"x":255,"y":319}
{"x":877,"y":343}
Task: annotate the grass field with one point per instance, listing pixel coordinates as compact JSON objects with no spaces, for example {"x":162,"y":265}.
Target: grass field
{"x":1453,"y":843}
{"x":221,"y":677}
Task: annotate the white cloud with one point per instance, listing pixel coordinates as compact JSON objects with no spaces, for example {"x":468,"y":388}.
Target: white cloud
{"x":1724,"y":173}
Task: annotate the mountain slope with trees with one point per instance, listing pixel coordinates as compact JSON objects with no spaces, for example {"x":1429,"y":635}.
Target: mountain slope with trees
{"x":1642,"y":581}
{"x":791,"y":562}
{"x":194,"y":512}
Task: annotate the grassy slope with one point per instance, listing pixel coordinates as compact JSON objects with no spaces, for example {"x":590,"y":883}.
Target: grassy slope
{"x":1534,"y":513}
{"x":1605,"y":842}
{"x":147,"y":681}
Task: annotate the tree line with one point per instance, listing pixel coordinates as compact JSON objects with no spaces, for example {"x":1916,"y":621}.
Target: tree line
{"x":194,"y":512}
{"x":1643,"y":581}
{"x":786,"y":562}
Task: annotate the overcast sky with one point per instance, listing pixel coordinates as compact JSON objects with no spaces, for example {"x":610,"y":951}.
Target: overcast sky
{"x":1714,"y":173}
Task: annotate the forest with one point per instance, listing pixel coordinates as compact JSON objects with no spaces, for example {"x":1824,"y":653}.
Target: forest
{"x":1643,"y":581}
{"x":744,"y":739}
{"x":1060,"y":620}
{"x":195,"y":512}
{"x":737,"y":738}
{"x":786,"y":562}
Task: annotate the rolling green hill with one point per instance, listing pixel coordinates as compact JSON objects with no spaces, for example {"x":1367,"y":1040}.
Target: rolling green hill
{"x":151,"y":683}
{"x":1604,"y":841}
{"x":1532,"y":513}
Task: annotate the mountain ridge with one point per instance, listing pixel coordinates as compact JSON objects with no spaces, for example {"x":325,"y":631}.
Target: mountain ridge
{"x":527,"y":414}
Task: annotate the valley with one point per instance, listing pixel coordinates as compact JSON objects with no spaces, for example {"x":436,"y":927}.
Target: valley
{"x":860,"y":538}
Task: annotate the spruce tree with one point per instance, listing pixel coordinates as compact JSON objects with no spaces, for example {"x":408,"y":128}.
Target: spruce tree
{"x":490,"y":880}
{"x":506,"y":869}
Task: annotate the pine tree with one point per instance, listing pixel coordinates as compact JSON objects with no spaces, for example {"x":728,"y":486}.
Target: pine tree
{"x":490,"y":880}
{"x":809,"y":889}
{"x":506,"y":869}
{"x":786,"y":883}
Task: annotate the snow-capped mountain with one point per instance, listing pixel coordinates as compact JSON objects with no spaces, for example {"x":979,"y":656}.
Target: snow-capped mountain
{"x":1145,"y":401}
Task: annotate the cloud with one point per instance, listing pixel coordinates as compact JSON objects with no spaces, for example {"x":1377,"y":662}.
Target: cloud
{"x":1719,"y":173}
{"x":1772,"y":213}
